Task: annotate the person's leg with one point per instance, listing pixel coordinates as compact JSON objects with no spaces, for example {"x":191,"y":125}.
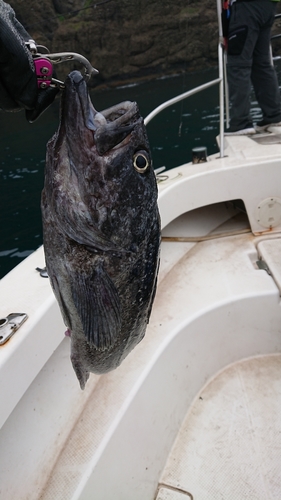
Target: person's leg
{"x":263,"y":75}
{"x":243,"y":34}
{"x":239,"y":87}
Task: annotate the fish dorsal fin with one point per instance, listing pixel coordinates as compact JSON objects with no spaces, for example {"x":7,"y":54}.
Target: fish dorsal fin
{"x":98,"y":305}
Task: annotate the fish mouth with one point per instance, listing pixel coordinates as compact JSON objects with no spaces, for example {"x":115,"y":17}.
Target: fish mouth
{"x":107,"y":128}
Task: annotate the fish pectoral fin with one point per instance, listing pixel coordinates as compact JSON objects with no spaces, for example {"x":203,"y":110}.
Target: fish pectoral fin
{"x":98,"y":305}
{"x":82,"y":232}
{"x":60,"y":299}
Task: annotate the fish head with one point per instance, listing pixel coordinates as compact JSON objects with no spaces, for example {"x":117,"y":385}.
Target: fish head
{"x":97,"y":162}
{"x":95,"y":140}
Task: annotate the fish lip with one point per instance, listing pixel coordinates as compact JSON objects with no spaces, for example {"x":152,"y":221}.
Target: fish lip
{"x":124,"y":113}
{"x":78,"y":112}
{"x":116,"y":126}
{"x":75,"y":96}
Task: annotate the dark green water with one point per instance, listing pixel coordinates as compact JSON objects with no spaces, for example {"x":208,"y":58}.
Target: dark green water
{"x":172,"y":135}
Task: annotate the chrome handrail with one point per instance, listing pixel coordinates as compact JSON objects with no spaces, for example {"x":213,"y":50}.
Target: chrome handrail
{"x":219,"y":80}
{"x":179,"y":98}
{"x":221,"y":98}
{"x":191,"y":92}
{"x":275,"y":37}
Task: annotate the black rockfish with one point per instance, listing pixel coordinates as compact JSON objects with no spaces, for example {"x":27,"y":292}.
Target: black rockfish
{"x":101,"y":228}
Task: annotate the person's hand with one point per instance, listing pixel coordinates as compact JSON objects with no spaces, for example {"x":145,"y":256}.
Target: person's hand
{"x":18,"y":82}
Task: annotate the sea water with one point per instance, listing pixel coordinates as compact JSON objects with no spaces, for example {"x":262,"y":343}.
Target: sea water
{"x":172,"y":135}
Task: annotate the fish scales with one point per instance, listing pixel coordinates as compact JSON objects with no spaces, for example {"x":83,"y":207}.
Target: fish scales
{"x":101,"y":228}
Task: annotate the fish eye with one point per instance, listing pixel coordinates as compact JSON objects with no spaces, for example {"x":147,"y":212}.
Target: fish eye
{"x":141,"y":161}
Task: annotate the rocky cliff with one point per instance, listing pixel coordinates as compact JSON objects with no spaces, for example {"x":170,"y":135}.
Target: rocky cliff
{"x":127,"y":39}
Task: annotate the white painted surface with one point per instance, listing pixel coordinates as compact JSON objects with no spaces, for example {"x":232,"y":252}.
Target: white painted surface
{"x":24,"y":355}
{"x":213,"y":307}
{"x":229,"y":445}
{"x":150,"y":393}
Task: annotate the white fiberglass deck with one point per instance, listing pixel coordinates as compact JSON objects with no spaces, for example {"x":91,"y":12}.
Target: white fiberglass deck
{"x":213,"y":308}
{"x":229,"y":445}
{"x":112,"y":440}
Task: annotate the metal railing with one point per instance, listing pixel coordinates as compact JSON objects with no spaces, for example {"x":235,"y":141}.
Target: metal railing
{"x":275,"y":37}
{"x":218,"y":81}
{"x":179,"y":98}
{"x":221,"y":81}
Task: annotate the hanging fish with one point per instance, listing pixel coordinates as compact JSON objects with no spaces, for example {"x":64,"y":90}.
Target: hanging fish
{"x":101,"y":228}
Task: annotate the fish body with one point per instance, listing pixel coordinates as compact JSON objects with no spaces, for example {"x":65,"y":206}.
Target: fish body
{"x":101,"y":228}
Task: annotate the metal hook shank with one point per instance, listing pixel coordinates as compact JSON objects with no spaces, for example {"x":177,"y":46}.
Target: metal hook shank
{"x":71,"y":56}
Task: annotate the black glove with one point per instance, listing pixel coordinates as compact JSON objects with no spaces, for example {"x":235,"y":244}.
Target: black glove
{"x":18,"y":82}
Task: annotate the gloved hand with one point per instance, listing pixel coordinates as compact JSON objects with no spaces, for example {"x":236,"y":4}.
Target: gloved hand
{"x":18,"y":82}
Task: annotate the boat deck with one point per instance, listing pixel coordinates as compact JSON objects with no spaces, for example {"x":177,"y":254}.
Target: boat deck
{"x":214,"y":308}
{"x":229,"y":444}
{"x":224,"y":420}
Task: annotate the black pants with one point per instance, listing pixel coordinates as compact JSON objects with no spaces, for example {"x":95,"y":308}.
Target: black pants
{"x":248,"y":61}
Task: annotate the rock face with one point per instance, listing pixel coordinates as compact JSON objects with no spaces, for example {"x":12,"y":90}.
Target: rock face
{"x":125,"y":39}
